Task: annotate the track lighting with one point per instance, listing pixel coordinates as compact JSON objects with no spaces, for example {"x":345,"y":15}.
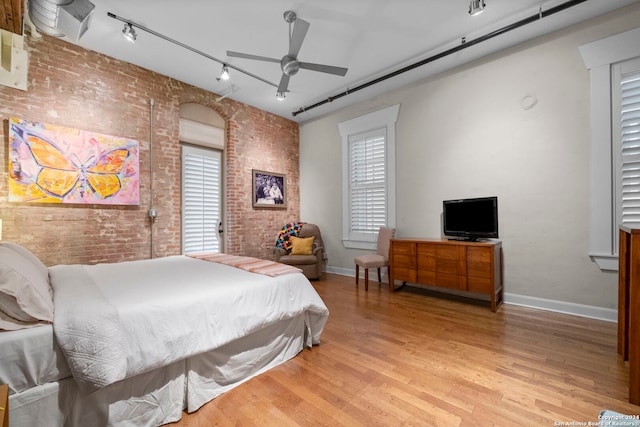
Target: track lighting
{"x":129,"y":33}
{"x":225,"y":73}
{"x":280,"y":96}
{"x":476,"y":7}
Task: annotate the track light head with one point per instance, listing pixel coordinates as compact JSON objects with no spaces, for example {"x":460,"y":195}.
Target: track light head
{"x":476,"y":7}
{"x":280,"y":96}
{"x":129,"y":33}
{"x":225,"y":73}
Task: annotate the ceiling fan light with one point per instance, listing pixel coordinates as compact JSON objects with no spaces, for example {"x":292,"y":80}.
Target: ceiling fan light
{"x":476,"y":7}
{"x":289,"y":65}
{"x":129,"y":33}
{"x":280,"y":96}
{"x":225,"y":73}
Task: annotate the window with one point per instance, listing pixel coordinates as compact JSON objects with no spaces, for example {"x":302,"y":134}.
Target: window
{"x":602,"y":58}
{"x":368,"y":166}
{"x":626,"y":137}
{"x":368,"y":182}
{"x":201,"y":199}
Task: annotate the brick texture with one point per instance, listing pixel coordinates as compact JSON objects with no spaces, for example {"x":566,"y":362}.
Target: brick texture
{"x":76,"y":88}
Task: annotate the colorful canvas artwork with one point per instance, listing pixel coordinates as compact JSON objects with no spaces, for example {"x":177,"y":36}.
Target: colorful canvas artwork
{"x":55,"y":164}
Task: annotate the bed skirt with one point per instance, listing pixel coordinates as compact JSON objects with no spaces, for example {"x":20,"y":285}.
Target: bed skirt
{"x":158,"y":397}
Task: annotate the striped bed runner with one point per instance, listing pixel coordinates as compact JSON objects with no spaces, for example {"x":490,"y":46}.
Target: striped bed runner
{"x":253,"y":265}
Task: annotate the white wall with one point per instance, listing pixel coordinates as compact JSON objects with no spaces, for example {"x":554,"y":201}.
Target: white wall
{"x":468,"y":133}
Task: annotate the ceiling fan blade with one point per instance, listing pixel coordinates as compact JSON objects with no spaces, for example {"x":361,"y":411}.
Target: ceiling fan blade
{"x":283,"y":87}
{"x":339,"y":71}
{"x":300,"y":28}
{"x":249,"y":56}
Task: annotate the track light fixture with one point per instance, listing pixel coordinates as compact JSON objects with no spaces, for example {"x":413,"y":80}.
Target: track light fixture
{"x":280,"y":96}
{"x":225,"y":73}
{"x":129,"y":33}
{"x":128,"y":29}
{"x":476,"y":7}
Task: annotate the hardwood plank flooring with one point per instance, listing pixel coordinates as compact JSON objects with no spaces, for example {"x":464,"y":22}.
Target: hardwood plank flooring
{"x":413,"y":358}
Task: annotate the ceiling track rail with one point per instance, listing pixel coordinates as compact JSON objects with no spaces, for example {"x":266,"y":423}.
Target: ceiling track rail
{"x":465,"y":44}
{"x":194,"y":50}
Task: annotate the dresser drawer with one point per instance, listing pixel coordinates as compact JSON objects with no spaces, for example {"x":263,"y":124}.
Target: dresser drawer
{"x":451,"y":281}
{"x":405,"y":274}
{"x":426,"y":249}
{"x":479,"y":284}
{"x":404,"y":255}
{"x":427,"y":277}
{"x":479,"y":262}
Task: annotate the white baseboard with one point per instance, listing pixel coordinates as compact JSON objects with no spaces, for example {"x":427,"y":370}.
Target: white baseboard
{"x":607,"y":314}
{"x":351,"y":272}
{"x":342,"y":271}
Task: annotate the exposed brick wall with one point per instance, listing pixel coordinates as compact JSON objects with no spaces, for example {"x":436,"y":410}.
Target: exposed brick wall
{"x":73,"y":87}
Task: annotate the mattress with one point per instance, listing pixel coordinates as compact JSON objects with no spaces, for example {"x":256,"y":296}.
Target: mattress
{"x":30,"y":357}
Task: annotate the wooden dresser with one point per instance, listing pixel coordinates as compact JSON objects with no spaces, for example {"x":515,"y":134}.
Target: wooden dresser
{"x":629,"y":306}
{"x":464,"y":266}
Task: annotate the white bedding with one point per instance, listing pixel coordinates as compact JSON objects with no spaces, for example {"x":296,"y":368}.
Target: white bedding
{"x":115,"y":321}
{"x":30,"y":357}
{"x":158,"y":397}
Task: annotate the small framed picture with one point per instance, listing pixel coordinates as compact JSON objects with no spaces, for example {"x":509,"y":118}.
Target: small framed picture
{"x":269,"y":190}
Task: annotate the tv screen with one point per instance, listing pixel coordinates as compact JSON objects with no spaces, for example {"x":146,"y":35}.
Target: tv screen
{"x":471,"y":219}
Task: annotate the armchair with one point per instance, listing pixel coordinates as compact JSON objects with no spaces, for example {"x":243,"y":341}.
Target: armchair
{"x":310,"y":264}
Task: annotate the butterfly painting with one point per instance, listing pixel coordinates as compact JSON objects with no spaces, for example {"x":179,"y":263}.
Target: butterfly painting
{"x":53,"y":164}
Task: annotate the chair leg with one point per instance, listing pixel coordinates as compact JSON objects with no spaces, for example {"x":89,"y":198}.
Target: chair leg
{"x":379,"y":276}
{"x":366,"y":279}
{"x":357,"y":273}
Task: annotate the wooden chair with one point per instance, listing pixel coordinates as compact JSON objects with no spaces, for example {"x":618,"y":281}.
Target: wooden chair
{"x":379,"y":260}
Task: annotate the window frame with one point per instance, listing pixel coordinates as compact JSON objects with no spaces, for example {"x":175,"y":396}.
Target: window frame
{"x":627,"y":153}
{"x":383,"y":120}
{"x":598,"y":57}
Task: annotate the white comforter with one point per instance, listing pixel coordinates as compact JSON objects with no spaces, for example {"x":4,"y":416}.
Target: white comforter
{"x":114,"y":321}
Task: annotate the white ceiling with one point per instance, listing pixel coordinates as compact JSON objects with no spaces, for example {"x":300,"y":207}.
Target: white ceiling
{"x":369,"y":37}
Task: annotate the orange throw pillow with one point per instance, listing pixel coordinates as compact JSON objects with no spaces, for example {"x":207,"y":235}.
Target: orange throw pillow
{"x":301,"y":245}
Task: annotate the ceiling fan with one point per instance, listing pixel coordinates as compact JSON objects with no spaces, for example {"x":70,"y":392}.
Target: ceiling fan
{"x":289,"y":63}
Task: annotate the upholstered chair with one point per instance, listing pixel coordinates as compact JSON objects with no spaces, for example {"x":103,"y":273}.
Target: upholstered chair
{"x":307,"y":257}
{"x":379,"y":260}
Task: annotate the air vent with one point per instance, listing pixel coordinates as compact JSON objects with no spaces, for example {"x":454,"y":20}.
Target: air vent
{"x":61,"y":18}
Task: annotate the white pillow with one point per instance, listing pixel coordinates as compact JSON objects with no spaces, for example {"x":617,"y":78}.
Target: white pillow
{"x":25,"y":293}
{"x":42,"y":269}
{"x":10,"y":324}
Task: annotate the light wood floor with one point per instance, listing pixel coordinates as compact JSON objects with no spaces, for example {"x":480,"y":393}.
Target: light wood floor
{"x":410,"y":358}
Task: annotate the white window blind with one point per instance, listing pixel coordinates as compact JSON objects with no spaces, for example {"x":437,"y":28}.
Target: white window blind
{"x":630,"y":148}
{"x":368,"y":182}
{"x":201,"y":199}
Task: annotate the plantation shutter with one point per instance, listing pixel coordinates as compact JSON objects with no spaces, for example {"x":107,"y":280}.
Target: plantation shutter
{"x":201,"y":199}
{"x":630,"y":148}
{"x":368,"y":182}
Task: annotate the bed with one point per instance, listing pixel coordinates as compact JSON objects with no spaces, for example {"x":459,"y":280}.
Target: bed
{"x":137,"y":342}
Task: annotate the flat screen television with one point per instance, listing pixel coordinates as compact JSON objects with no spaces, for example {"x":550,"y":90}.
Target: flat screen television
{"x":471,"y":219}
